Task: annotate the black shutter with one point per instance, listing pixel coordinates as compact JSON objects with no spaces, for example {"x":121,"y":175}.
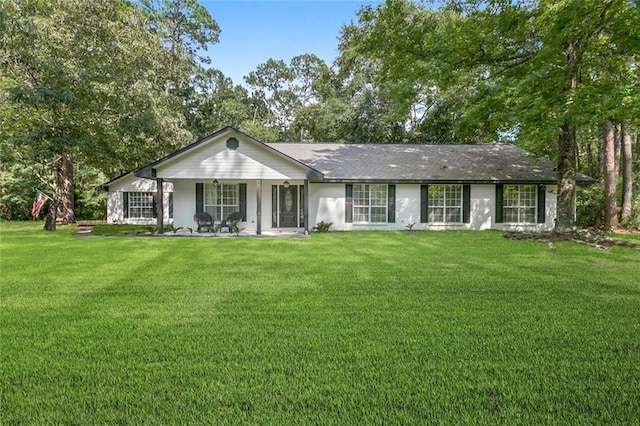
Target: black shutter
{"x":125,"y":205}
{"x":199,"y":197}
{"x":499,"y":201}
{"x":424,"y":203}
{"x":243,"y":200}
{"x":155,"y":204}
{"x":391,"y":201}
{"x":348,"y":203}
{"x":466,"y":203}
{"x":171,"y":205}
{"x":301,"y":206}
{"x":541,"y":204}
{"x":274,"y":206}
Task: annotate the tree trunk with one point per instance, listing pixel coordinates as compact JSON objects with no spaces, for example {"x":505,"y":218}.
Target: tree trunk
{"x":618,"y":149}
{"x":636,"y":167}
{"x":566,"y":200}
{"x":567,"y":147}
{"x":627,"y":177}
{"x":601,"y":157}
{"x":610,"y":177}
{"x":50,"y":221}
{"x":64,"y":189}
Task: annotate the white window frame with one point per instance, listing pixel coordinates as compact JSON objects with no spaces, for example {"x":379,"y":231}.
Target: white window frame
{"x":451,"y":200}
{"x":370,"y":201}
{"x":221,"y":200}
{"x":518,"y":202}
{"x":140,"y":205}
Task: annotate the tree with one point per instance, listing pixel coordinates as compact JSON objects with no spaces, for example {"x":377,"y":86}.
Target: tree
{"x":308,"y":70}
{"x":352,"y":106}
{"x":288,"y":90}
{"x":185,"y":27}
{"x":82,"y":81}
{"x":610,"y":177}
{"x":216,"y":103}
{"x":271,"y":84}
{"x":627,"y":177}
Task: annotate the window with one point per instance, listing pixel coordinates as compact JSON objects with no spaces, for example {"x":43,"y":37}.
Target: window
{"x":221,"y":200}
{"x":370,"y":203}
{"x":519,"y":203}
{"x":140,"y":205}
{"x":445,"y":203}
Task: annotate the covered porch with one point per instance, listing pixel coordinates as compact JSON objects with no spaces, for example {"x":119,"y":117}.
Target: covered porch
{"x":230,"y":172}
{"x":267,"y":206}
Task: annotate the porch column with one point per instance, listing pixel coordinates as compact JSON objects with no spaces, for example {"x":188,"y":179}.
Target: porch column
{"x":160,"y":204}
{"x":305,"y":205}
{"x":259,"y":207}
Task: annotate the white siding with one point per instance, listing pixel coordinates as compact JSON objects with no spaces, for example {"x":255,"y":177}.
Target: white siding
{"x":483,"y":206}
{"x":184,"y":203}
{"x":407,"y":206}
{"x":327,"y":203}
{"x":131,"y":183}
{"x":213,"y":160}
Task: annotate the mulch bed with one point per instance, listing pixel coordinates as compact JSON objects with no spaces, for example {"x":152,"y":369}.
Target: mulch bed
{"x":591,"y":237}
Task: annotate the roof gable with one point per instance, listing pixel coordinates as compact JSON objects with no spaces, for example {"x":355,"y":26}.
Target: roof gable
{"x":227,"y":154}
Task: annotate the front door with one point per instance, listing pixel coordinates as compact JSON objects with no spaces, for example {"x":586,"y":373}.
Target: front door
{"x":289,"y":206}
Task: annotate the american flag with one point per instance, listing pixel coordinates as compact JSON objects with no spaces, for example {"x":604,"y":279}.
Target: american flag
{"x":38,"y":201}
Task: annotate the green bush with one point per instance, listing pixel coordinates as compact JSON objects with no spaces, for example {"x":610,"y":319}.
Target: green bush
{"x":590,"y":206}
{"x":322,"y":226}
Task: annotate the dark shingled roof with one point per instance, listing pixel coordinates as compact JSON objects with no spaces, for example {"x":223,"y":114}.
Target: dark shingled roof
{"x":422,"y":163}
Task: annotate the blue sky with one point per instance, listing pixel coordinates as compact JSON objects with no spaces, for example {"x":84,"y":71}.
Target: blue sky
{"x":255,"y":30}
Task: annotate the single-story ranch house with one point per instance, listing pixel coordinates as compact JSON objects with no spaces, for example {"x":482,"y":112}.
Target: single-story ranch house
{"x":295,"y":186}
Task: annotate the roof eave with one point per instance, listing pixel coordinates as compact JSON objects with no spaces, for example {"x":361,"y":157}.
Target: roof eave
{"x":440,"y":181}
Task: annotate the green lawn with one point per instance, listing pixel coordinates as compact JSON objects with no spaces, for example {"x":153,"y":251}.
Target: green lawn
{"x":366,"y":328}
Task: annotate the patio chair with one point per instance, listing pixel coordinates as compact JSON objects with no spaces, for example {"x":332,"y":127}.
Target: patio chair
{"x":230,"y":222}
{"x":204,"y":221}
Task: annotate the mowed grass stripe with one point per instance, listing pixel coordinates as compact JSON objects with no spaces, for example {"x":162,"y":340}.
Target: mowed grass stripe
{"x":442,"y":327}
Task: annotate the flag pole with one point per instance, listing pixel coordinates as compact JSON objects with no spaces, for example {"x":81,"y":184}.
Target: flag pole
{"x":44,"y":193}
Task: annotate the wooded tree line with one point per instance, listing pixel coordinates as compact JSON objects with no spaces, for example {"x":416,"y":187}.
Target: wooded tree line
{"x":93,"y":89}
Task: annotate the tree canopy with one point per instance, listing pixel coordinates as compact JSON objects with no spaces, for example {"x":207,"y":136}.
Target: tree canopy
{"x":83,"y":81}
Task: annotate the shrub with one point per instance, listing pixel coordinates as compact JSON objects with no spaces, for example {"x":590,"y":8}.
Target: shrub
{"x":590,"y":206}
{"x":322,"y":226}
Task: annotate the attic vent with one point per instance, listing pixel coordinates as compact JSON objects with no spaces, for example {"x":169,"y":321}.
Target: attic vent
{"x":233,"y":144}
